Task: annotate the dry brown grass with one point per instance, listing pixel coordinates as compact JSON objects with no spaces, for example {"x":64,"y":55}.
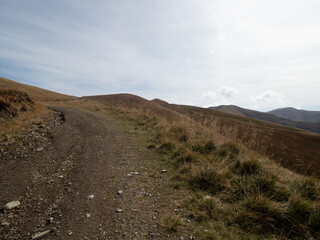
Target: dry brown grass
{"x":293,"y":148}
{"x":36,"y":94}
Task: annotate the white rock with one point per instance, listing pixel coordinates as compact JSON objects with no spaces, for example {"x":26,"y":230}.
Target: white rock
{"x":164,"y":171}
{"x":41,"y":235}
{"x":91,"y":196}
{"x":119,"y":210}
{"x":88,"y":215}
{"x":120,"y":192}
{"x":11,"y":205}
{"x":5,"y":223}
{"x":129,"y":175}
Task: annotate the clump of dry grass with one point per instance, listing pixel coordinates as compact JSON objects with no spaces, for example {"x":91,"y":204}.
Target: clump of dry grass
{"x":171,"y":223}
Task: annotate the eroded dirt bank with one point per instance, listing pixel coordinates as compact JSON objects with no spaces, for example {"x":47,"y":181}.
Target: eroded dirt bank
{"x":67,"y":172}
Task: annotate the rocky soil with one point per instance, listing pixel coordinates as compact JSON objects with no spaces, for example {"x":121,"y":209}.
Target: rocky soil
{"x":76,"y":176}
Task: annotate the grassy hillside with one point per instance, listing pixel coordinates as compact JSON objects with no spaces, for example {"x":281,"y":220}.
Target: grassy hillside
{"x":35,"y":93}
{"x":222,"y":189}
{"x":309,"y":126}
{"x":297,"y":115}
{"x":293,"y":148}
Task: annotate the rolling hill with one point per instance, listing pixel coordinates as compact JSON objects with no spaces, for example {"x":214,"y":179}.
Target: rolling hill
{"x":297,"y":115}
{"x":294,"y":148}
{"x":309,"y":126}
{"x":36,"y":94}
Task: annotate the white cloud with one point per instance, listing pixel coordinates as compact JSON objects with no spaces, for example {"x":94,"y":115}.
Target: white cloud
{"x":269,"y":100}
{"x":228,"y":92}
{"x":210,"y":95}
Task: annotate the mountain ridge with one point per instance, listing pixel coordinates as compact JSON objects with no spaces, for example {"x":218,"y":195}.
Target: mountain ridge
{"x":232,"y":109}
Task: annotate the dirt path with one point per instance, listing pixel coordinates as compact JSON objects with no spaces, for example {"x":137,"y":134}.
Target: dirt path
{"x":69,"y":182}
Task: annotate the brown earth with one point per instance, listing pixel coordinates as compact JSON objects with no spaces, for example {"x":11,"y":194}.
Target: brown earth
{"x":54,"y":167}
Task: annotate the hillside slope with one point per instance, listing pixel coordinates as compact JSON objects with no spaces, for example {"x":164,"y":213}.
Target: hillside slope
{"x":309,"y":126}
{"x":36,"y":94}
{"x":297,"y":115}
{"x":295,"y":149}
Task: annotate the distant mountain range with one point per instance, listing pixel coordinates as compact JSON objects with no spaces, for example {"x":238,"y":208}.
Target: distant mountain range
{"x":282,"y":116}
{"x":297,"y":115}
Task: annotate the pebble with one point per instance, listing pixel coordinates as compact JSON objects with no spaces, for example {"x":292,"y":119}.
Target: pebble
{"x":164,"y":171}
{"x":11,"y":205}
{"x":91,"y":196}
{"x":41,"y":235}
{"x":5,"y":223}
{"x":129,"y":175}
{"x":119,"y":210}
{"x":120,"y":192}
{"x":88,"y":215}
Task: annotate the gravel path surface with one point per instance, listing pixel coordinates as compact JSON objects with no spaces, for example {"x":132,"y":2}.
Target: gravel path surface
{"x":76,"y":176}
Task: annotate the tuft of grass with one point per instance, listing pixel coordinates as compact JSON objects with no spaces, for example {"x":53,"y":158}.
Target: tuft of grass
{"x":228,"y":149}
{"x":171,"y":223}
{"x":208,"y":178}
{"x":202,"y":208}
{"x":249,"y":166}
{"x":268,"y":185}
{"x":166,"y":147}
{"x":260,"y":215}
{"x":207,"y":148}
{"x":308,"y":188}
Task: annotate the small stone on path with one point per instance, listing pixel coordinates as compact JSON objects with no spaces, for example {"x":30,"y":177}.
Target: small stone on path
{"x":41,"y":235}
{"x":119,"y":210}
{"x":91,"y":196}
{"x":11,"y":205}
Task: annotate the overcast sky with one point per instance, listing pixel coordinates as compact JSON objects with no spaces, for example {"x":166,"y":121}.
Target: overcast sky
{"x":257,"y":54}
